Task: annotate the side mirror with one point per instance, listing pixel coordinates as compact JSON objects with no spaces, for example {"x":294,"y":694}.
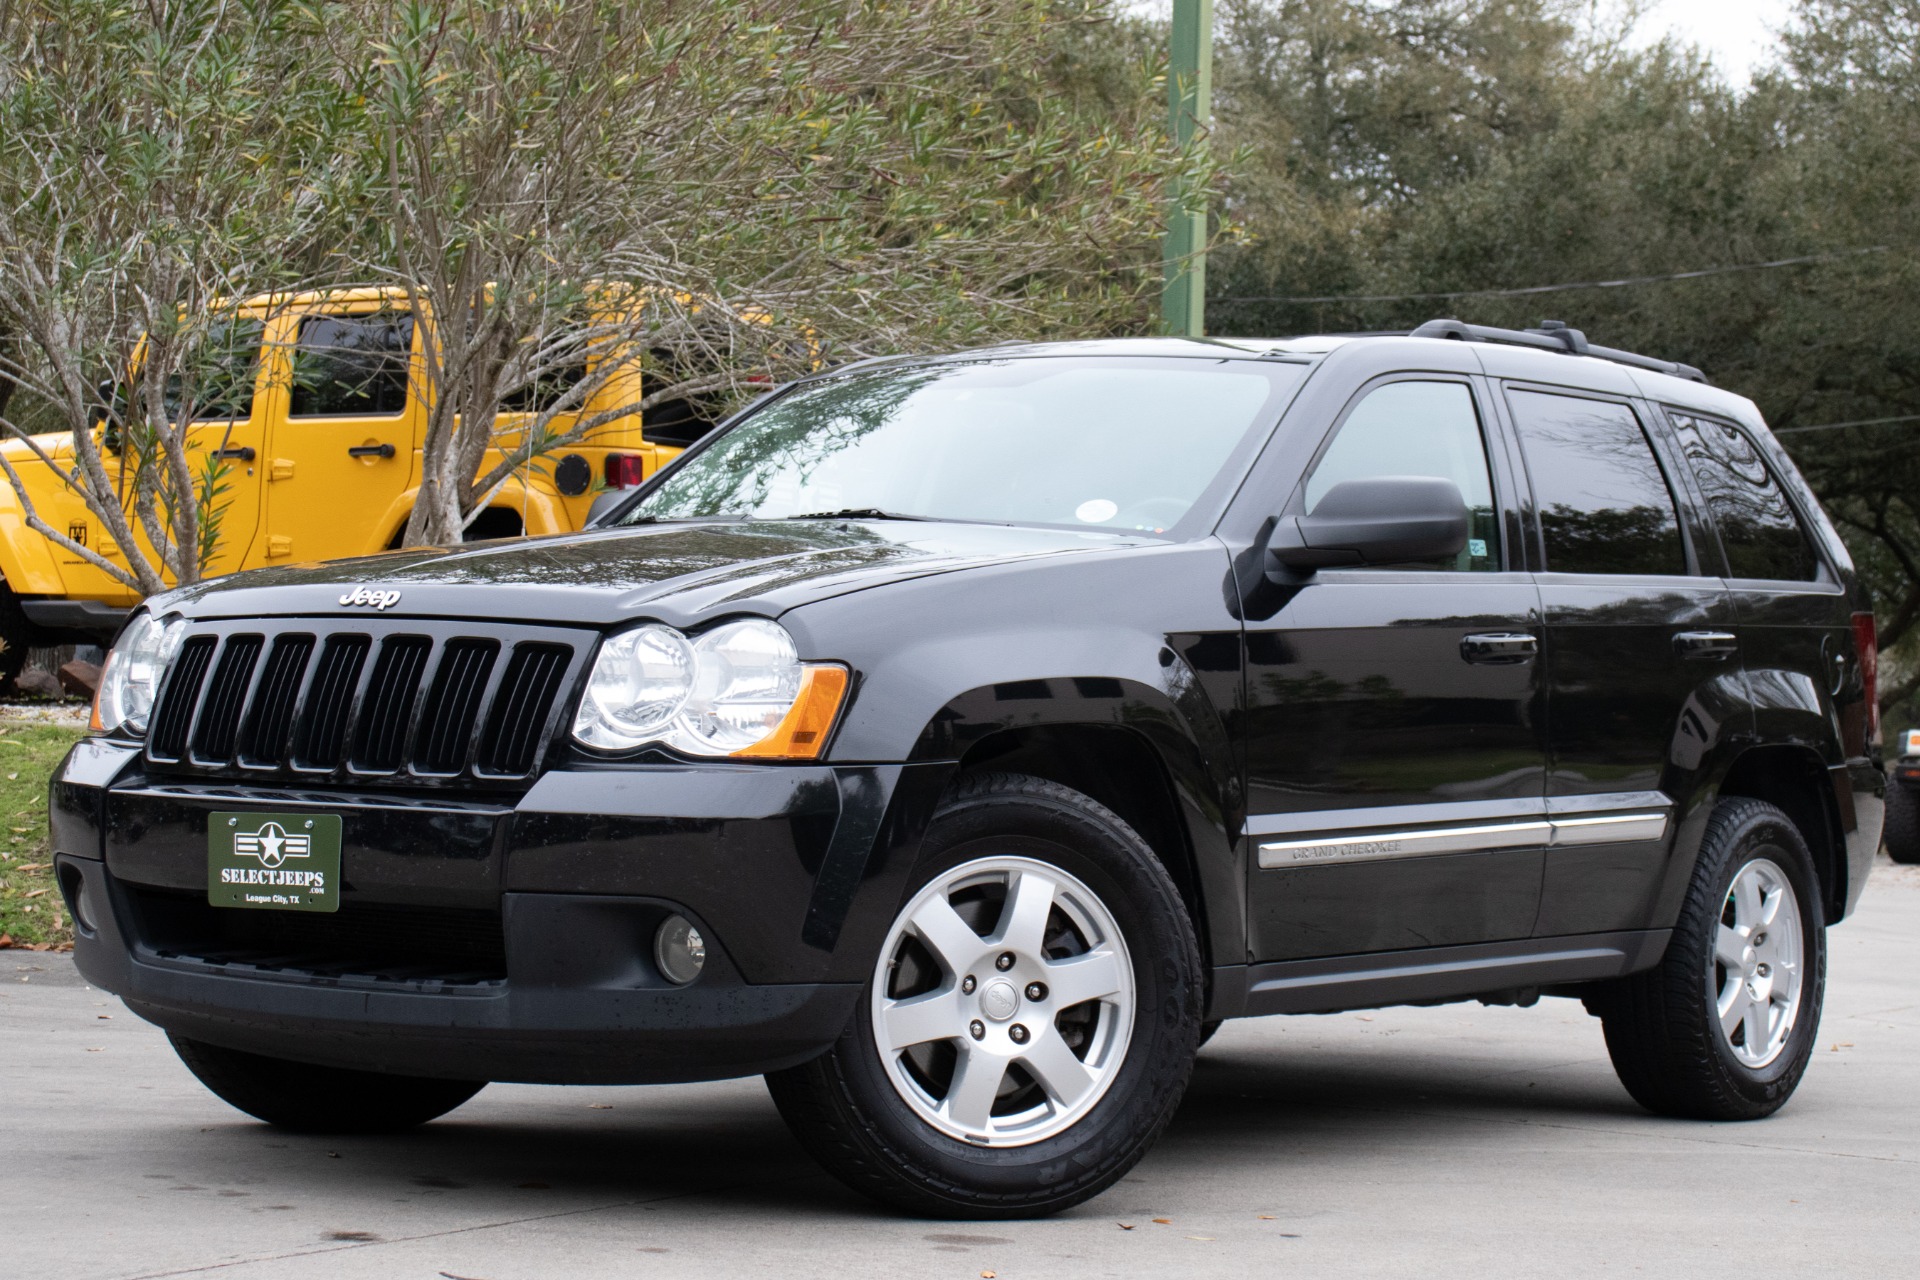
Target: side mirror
{"x":603,"y":503}
{"x":1379,"y":520}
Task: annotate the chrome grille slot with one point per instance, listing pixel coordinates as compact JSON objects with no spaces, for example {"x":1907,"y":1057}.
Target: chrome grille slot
{"x":453,"y":706}
{"x":517,"y":725}
{"x":263,"y":736}
{"x":386,"y":709}
{"x":322,"y":729}
{"x":219,"y":720}
{"x":399,"y":700}
{"x":173,"y":717}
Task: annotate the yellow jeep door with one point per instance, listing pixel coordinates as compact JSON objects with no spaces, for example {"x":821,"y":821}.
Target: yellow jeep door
{"x":225,"y":446}
{"x":233,"y":402}
{"x":343,"y":452}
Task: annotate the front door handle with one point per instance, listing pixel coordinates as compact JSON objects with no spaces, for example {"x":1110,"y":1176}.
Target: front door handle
{"x":241,"y":453}
{"x":371,"y":451}
{"x":1500,"y":648}
{"x":1706,"y":646}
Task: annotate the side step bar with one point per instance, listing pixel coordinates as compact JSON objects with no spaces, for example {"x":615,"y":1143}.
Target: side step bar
{"x":1429,"y":974}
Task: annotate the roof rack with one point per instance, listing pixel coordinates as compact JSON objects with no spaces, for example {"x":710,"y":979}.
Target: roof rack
{"x":1553,"y":335}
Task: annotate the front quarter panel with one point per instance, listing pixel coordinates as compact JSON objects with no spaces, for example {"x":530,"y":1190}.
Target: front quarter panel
{"x":1140,"y":639}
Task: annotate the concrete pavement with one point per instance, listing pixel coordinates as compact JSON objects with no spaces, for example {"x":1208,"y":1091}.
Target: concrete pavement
{"x":1459,"y":1141}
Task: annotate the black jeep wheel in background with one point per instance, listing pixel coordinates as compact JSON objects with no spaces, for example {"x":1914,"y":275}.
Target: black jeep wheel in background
{"x":1031,"y":1022}
{"x":1903,"y":824}
{"x":17,"y":635}
{"x":312,"y":1099}
{"x":1723,"y":1028}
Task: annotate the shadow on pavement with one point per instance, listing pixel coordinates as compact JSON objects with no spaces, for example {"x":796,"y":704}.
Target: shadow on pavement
{"x":536,"y":1152}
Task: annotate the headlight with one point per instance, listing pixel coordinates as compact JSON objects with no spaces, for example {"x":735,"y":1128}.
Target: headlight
{"x":134,"y":670}
{"x":639,"y":684}
{"x":739,"y":690}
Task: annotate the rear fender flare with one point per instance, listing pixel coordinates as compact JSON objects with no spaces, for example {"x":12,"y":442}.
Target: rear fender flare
{"x":539,"y":512}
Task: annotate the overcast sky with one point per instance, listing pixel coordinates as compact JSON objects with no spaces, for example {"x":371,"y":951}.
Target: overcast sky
{"x":1736,"y":34}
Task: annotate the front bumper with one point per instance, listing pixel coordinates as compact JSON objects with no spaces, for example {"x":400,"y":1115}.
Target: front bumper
{"x":505,"y":937}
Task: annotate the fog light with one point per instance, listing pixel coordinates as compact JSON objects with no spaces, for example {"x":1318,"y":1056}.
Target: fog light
{"x":679,"y":950}
{"x":73,"y":887}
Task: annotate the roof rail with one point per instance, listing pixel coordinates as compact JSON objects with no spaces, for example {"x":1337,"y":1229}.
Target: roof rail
{"x":1553,"y":335}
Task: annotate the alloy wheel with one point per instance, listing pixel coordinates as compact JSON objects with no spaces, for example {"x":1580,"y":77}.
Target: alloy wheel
{"x":1003,"y":1002}
{"x":1758,"y":963}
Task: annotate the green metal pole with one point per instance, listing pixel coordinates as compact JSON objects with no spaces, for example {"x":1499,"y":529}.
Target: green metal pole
{"x":1183,"y":303}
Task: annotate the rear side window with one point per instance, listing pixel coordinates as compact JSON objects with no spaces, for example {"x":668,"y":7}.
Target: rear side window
{"x":1418,"y":429}
{"x":1603,"y":501}
{"x":352,"y":366}
{"x":1759,"y":531}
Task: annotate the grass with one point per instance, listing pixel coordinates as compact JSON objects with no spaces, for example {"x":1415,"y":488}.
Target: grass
{"x":30,"y":910}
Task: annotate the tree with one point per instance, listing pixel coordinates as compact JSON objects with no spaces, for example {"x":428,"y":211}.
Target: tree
{"x":1423,"y":157}
{"x":1847,"y":348}
{"x":716,"y":195}
{"x":160,"y":162}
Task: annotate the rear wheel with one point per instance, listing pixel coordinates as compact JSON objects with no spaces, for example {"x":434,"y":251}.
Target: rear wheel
{"x":1724,"y":1027}
{"x":1031,"y":1021}
{"x":311,"y":1099}
{"x":16,"y":635}
{"x":1903,"y":824}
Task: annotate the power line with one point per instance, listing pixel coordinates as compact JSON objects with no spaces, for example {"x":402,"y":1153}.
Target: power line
{"x":1857,"y":422}
{"x":1564,"y":288}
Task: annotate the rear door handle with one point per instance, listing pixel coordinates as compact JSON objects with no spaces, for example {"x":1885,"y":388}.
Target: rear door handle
{"x":370,"y":451}
{"x":242,"y":452}
{"x":1707,"y":646}
{"x":1499,"y":649}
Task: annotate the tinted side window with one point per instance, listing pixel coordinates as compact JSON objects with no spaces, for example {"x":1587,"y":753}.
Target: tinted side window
{"x":1418,"y":429}
{"x":352,"y":365}
{"x":545,"y":391}
{"x":1604,"y":504}
{"x":1758,"y":529}
{"x":223,"y":370}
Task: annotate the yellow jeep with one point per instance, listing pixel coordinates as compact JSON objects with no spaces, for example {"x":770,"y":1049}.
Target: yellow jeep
{"x":321,"y":465}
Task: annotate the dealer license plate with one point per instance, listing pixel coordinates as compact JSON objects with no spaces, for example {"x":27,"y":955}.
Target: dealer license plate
{"x":274,"y":861}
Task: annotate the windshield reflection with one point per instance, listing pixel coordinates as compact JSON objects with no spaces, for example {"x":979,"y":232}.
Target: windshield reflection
{"x":1114,"y":443}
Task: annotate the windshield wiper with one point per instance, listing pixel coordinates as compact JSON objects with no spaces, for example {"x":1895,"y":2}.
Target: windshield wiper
{"x":650,"y":518}
{"x":857,"y":513}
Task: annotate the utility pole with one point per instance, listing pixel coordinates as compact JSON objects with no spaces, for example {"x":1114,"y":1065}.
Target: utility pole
{"x":1183,"y":304}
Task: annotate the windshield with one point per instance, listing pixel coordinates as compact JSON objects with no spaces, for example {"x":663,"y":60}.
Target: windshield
{"x":1114,"y":443}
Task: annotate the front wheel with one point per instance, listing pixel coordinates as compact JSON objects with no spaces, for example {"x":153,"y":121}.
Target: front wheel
{"x":1724,"y":1027}
{"x":1031,"y":1021}
{"x":312,"y":1099}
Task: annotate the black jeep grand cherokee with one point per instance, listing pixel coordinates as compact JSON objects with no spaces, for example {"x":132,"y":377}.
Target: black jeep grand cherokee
{"x":957,"y":740}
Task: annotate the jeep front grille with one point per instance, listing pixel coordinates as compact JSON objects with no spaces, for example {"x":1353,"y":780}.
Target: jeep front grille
{"x":393,"y":700}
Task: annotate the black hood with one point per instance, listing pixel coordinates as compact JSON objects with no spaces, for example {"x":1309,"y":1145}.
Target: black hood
{"x":677,"y":573}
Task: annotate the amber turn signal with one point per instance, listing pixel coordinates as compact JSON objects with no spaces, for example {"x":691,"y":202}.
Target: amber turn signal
{"x":94,"y":722}
{"x":802,"y":734}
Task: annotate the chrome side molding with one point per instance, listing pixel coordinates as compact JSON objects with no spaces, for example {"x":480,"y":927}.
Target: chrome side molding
{"x":1553,"y":832}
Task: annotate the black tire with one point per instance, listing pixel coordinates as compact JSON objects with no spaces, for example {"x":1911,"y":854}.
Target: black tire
{"x":847,"y":1113}
{"x":1206,"y":1031}
{"x":1661,"y":1027}
{"x":311,"y":1099}
{"x":1902,"y":835}
{"x":16,"y":635}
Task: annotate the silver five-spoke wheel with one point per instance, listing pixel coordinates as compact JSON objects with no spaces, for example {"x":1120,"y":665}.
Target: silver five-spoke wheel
{"x":1758,"y":961}
{"x":1003,"y":1002}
